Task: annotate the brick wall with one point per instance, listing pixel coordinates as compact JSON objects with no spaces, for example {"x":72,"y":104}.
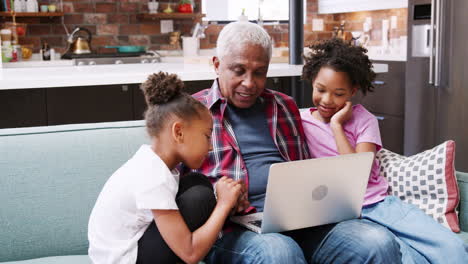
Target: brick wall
{"x":114,"y":22}
{"x":353,"y":20}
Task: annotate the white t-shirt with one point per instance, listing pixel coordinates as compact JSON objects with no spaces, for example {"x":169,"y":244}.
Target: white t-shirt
{"x":122,"y":212}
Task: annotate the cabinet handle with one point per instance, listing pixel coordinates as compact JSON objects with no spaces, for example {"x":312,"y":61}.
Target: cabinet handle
{"x":431,"y":46}
{"x":438,"y":43}
{"x":124,"y":88}
{"x":379,"y":82}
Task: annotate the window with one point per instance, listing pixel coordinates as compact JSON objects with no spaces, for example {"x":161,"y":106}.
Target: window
{"x":230,"y":10}
{"x":343,"y":6}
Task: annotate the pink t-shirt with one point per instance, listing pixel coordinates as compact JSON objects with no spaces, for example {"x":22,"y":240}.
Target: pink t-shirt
{"x":362,"y":127}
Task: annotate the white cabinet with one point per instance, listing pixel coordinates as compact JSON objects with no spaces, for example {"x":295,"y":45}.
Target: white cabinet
{"x":344,"y":6}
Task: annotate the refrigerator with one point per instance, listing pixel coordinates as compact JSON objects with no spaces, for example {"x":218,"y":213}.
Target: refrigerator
{"x":436,"y":93}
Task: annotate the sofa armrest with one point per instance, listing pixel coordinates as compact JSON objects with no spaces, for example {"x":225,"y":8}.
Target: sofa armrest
{"x":462,"y":179}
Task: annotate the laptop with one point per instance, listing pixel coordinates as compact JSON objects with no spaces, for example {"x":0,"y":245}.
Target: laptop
{"x":312,"y":192}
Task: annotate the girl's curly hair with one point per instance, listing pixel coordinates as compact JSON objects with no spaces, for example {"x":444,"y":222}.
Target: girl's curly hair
{"x":165,"y":97}
{"x":341,"y":57}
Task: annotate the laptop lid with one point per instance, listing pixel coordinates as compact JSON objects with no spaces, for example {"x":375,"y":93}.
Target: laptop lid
{"x":315,"y":192}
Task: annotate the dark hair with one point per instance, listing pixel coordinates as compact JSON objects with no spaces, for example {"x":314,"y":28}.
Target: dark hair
{"x":341,"y":57}
{"x":164,"y":98}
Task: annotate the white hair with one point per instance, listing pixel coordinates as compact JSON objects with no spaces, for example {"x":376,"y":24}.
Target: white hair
{"x":238,"y":34}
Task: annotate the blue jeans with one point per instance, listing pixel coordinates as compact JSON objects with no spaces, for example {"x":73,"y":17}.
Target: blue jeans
{"x":421,"y":238}
{"x":353,"y":241}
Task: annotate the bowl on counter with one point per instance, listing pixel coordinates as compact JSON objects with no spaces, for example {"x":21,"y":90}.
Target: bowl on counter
{"x":127,"y":49}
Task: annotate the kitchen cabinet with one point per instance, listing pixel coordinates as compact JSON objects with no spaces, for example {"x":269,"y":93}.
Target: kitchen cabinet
{"x":391,"y":132}
{"x":387,"y":103}
{"x":22,"y":108}
{"x":344,"y":6}
{"x":389,"y":93}
{"x":89,"y":104}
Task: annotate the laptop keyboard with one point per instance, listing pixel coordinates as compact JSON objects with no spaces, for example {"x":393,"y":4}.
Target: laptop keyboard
{"x":256,"y":223}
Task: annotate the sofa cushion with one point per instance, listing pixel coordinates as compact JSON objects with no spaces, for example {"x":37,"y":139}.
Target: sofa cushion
{"x":462,"y":178}
{"x":50,"y":180}
{"x":426,"y":180}
{"x":77,"y":259}
{"x":463,"y":236}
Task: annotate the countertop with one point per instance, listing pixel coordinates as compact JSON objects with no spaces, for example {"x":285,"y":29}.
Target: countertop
{"x":70,"y":76}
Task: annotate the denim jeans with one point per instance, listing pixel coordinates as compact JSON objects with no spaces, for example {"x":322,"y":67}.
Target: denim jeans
{"x":421,"y":238}
{"x":353,"y":241}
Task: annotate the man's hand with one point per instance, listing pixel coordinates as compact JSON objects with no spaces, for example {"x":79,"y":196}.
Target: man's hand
{"x":340,"y":117}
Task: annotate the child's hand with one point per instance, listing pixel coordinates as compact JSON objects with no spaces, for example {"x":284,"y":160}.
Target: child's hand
{"x":343,"y":115}
{"x":243,"y":201}
{"x":228,"y":191}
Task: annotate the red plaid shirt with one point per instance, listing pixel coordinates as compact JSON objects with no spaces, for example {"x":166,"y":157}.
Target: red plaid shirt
{"x":284,"y":122}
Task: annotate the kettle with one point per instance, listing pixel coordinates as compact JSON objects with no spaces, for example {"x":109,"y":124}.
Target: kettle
{"x":79,"y":44}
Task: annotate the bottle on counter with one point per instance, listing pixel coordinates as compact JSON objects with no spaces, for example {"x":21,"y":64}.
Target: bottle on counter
{"x":17,"y":54}
{"x":52,"y":54}
{"x":45,"y":51}
{"x":23,"y":5}
{"x":6,"y":50}
{"x":32,"y":6}
{"x":18,"y":6}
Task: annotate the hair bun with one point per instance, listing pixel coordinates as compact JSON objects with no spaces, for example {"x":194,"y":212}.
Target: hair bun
{"x":161,"y":87}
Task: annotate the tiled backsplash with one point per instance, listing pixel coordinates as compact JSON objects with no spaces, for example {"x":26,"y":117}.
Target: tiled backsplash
{"x":114,"y":22}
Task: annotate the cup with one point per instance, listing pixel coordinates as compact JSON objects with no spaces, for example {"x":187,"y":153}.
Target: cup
{"x":26,"y":51}
{"x":44,"y":8}
{"x":153,"y":7}
{"x":52,"y":8}
{"x":190,"y":46}
{"x":5,"y":35}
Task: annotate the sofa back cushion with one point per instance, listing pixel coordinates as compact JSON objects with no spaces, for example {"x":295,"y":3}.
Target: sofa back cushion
{"x":50,"y":179}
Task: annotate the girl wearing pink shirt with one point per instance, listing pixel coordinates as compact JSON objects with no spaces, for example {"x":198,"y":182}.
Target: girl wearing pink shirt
{"x":335,"y":127}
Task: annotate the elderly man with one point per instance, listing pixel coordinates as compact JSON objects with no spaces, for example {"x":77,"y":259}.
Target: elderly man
{"x":253,"y":128}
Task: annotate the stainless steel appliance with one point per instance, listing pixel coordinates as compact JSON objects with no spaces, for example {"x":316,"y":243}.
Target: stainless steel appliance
{"x":147,"y":58}
{"x":436,"y":94}
{"x":150,"y":56}
{"x":78,"y":44}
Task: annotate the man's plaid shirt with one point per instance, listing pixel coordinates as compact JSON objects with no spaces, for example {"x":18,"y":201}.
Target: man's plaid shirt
{"x":284,"y":122}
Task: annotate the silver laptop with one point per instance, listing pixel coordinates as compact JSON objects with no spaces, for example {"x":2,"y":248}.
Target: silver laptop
{"x":312,"y":192}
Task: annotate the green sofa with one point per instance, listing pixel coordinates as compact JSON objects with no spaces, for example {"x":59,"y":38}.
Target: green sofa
{"x":51,"y":177}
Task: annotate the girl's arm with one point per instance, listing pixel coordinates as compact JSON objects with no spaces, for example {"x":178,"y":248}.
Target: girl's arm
{"x":192,"y":247}
{"x":342,"y":143}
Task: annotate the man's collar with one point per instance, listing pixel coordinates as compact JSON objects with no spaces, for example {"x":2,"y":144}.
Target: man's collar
{"x":214,"y":95}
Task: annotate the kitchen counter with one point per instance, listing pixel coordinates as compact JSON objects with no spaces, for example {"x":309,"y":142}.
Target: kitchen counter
{"x":72,"y":76}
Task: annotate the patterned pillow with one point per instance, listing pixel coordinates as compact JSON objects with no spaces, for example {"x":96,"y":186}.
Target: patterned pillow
{"x":426,"y":180}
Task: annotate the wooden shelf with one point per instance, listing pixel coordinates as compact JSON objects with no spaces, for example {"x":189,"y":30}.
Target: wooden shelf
{"x":32,"y":14}
{"x":159,"y":16}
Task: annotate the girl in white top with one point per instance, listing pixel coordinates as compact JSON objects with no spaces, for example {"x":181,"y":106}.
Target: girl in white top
{"x":144,"y":214}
